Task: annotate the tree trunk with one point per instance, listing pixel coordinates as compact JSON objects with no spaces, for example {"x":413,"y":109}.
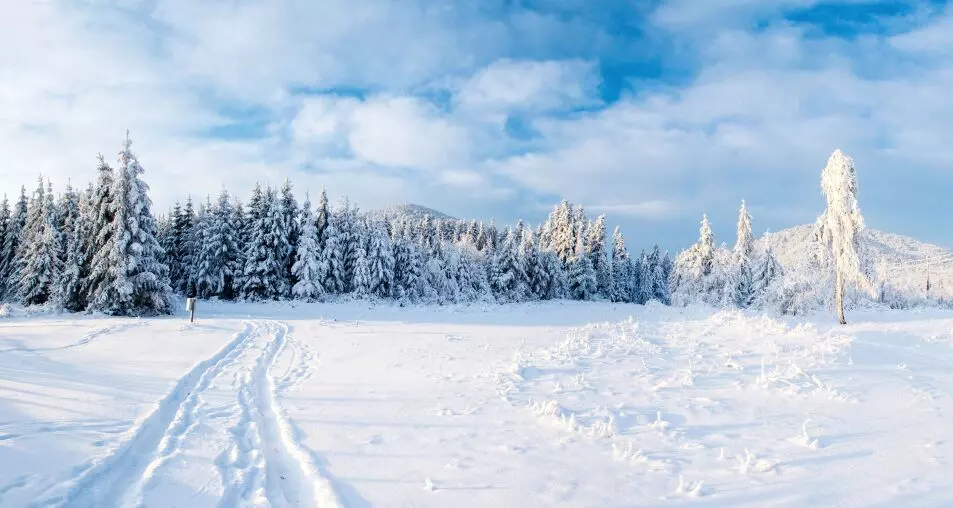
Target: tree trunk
{"x":839,"y":296}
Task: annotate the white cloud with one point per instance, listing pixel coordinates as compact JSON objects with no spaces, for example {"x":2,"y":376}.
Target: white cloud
{"x":530,"y":86}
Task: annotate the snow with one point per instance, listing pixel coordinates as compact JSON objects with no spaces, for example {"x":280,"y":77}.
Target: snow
{"x":558,"y":403}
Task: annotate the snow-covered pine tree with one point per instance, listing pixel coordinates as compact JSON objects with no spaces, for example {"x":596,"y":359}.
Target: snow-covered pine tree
{"x":843,"y":226}
{"x":739,"y":289}
{"x":101,"y":219}
{"x":238,"y":226}
{"x":4,"y":226}
{"x":333,"y":256}
{"x":67,"y":290}
{"x":406,"y":269}
{"x":290,"y":230}
{"x":660,"y":276}
{"x":621,"y":288}
{"x":39,"y":265}
{"x":582,"y":275}
{"x":11,"y":246}
{"x":693,"y":277}
{"x":321,"y":218}
{"x":218,"y":255}
{"x":362,"y":283}
{"x":507,"y":275}
{"x":534,"y":278}
{"x":136,"y":282}
{"x":598,"y":255}
{"x":380,"y":261}
{"x":276,"y":239}
{"x":309,"y":269}
{"x":765,"y":273}
{"x":256,"y":247}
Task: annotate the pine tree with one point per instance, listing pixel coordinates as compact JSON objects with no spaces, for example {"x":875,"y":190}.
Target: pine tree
{"x":843,"y":226}
{"x":740,"y":286}
{"x":289,"y":231}
{"x":596,"y":243}
{"x":309,"y":269}
{"x":766,"y":272}
{"x":582,"y":275}
{"x":321,"y":219}
{"x":644,"y":288}
{"x":507,"y":274}
{"x":101,"y":220}
{"x":135,"y":281}
{"x":380,"y":261}
{"x":69,"y":292}
{"x":5,"y":224}
{"x":217,"y":260}
{"x":534,"y":278}
{"x":660,"y":277}
{"x":333,"y":257}
{"x":39,"y":264}
{"x":622,"y":276}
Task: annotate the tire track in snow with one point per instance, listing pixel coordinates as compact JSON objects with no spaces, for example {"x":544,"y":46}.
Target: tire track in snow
{"x":291,"y":479}
{"x":107,"y":479}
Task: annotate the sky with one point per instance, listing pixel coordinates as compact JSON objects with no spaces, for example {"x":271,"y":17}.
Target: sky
{"x":652,"y":112}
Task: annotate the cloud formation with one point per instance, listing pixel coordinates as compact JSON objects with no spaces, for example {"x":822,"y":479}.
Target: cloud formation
{"x":653,"y":116}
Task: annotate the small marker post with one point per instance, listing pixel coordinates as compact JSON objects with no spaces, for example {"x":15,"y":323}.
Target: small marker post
{"x":190,"y":306}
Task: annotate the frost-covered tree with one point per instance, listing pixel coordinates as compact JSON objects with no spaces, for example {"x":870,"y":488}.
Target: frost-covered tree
{"x":644,"y":286}
{"x":739,"y":288}
{"x":621,"y":290}
{"x":507,"y":275}
{"x":39,"y":264}
{"x":135,"y":281}
{"x":842,"y":226}
{"x":660,"y":278}
{"x":263,"y":273}
{"x":218,"y":256}
{"x":406,"y":269}
{"x":380,"y":261}
{"x":289,"y":230}
{"x":309,"y":269}
{"x":333,"y":257}
{"x":582,"y":275}
{"x":11,"y":246}
{"x":4,"y":227}
{"x":596,"y":243}
{"x":694,"y":277}
{"x":69,"y":292}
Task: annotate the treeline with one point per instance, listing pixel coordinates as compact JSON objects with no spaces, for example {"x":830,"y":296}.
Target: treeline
{"x":103,"y":249}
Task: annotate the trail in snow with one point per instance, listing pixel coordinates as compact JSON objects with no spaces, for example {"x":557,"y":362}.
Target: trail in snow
{"x":291,"y":479}
{"x":106,"y":479}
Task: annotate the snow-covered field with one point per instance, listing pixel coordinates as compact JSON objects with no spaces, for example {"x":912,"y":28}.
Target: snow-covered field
{"x":559,"y":404}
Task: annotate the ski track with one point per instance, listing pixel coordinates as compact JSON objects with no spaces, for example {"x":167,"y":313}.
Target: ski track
{"x":106,"y":479}
{"x":263,"y":463}
{"x":89,"y":337}
{"x":290,"y":477}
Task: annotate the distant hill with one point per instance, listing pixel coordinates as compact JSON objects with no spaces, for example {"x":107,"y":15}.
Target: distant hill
{"x":903,"y":262}
{"x":410,"y":211}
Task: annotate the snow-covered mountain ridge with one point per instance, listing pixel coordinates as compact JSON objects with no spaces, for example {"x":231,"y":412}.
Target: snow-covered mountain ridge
{"x":901,"y":261}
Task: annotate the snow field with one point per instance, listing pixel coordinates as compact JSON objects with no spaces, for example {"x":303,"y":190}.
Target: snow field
{"x":557,"y":404}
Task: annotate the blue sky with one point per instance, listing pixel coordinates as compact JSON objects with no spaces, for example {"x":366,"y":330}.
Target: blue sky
{"x":653,"y":112}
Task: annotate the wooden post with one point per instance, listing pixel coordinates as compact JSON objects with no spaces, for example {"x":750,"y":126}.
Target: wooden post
{"x":190,"y":306}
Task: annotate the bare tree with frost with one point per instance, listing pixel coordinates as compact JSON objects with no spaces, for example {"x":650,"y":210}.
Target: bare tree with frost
{"x":842,"y":225}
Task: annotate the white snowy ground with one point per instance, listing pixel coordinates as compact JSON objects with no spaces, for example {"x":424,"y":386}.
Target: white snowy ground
{"x":527,"y":405}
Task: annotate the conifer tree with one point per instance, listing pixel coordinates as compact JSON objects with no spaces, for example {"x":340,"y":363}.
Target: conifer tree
{"x":217,"y":260}
{"x":596,"y":243}
{"x":622,"y":276}
{"x":4,"y":227}
{"x":135,"y":281}
{"x":309,"y":269}
{"x":39,"y":264}
{"x":582,"y":275}
{"x":740,"y":286}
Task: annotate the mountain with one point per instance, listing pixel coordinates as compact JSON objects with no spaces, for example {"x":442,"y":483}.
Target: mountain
{"x":410,"y":211}
{"x":903,"y":262}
